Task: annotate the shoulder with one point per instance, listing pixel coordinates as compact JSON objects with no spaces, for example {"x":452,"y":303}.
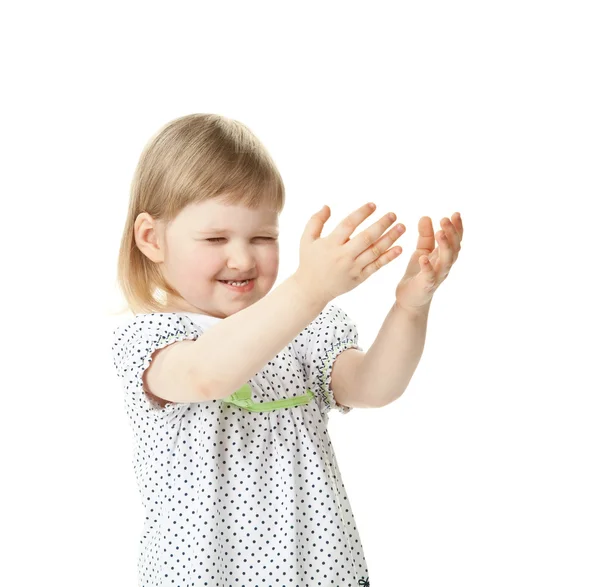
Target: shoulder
{"x":156,"y":324}
{"x":318,"y":347}
{"x":330,"y":327}
{"x":333,"y":316}
{"x":145,"y":333}
{"x":331,"y":313}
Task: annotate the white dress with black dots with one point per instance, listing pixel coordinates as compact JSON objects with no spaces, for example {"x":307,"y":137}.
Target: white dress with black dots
{"x":234,"y":497}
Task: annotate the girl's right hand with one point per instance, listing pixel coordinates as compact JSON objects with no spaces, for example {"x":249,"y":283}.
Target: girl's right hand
{"x":336,"y":264}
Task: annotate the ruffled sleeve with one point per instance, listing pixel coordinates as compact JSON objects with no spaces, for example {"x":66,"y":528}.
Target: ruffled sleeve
{"x":133,"y":346}
{"x":317,"y":347}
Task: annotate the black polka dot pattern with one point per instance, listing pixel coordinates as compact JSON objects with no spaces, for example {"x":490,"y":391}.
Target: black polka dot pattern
{"x":240,"y":498}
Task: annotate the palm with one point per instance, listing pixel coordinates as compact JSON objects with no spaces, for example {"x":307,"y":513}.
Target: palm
{"x":429,"y":266}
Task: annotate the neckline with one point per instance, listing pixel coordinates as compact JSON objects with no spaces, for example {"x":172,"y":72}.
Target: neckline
{"x":198,"y":315}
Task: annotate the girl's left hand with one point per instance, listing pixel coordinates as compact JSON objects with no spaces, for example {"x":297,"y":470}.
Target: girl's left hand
{"x":427,"y":268}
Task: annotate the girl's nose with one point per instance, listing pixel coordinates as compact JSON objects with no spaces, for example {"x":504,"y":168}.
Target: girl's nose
{"x":241,"y":260}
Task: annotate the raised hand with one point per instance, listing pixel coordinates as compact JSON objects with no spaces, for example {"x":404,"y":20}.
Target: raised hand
{"x":427,"y":267}
{"x":334,"y":264}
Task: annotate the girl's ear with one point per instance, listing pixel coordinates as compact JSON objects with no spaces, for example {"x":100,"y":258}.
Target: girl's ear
{"x":149,"y":236}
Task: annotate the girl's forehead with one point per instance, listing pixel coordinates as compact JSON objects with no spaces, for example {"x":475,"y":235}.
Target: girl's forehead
{"x":215,"y":216}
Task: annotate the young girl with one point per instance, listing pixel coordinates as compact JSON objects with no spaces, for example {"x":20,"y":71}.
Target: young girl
{"x":228,"y":389}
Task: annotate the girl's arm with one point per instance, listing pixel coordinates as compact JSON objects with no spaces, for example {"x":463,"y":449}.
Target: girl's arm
{"x":380,"y":376}
{"x":232,"y":351}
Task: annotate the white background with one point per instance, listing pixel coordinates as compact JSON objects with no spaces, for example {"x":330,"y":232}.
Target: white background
{"x":485,"y":472}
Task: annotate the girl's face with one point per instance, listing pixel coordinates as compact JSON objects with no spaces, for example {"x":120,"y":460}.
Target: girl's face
{"x":211,"y":241}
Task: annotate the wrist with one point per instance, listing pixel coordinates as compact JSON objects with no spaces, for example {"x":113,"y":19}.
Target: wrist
{"x":413,"y":312}
{"x":313,"y":299}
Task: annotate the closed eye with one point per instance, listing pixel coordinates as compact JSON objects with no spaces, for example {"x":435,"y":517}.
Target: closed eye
{"x":222,"y":239}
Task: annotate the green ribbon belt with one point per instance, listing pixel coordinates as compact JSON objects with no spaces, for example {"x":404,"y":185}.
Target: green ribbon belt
{"x":243,"y":399}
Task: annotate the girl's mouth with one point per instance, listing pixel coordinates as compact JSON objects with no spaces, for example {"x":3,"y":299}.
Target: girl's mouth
{"x":245,"y":286}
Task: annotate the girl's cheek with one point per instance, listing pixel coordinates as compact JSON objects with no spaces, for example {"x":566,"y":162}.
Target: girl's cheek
{"x":271,"y":266}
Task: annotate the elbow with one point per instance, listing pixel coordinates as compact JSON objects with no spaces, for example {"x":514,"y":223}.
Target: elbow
{"x":378,"y":405}
{"x":389,"y":400}
{"x":204,"y":386}
{"x":214,"y":389}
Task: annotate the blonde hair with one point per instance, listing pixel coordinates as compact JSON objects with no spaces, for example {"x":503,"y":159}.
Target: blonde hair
{"x":191,"y":159}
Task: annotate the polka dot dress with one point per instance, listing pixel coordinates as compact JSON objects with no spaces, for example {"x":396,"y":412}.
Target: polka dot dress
{"x":234,"y":497}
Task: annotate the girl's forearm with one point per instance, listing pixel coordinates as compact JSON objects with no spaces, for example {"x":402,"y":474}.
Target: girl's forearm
{"x":392,"y":359}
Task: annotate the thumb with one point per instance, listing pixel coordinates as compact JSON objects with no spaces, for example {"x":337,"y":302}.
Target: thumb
{"x":315,"y":224}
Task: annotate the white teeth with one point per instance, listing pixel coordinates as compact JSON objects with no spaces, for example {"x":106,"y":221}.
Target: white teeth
{"x":238,"y":283}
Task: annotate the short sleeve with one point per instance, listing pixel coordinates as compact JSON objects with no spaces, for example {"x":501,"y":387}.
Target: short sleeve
{"x":133,"y":346}
{"x":317,"y":347}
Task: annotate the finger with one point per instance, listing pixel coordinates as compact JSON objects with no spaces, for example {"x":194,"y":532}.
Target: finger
{"x":434,"y":256}
{"x":363,"y":241}
{"x":426,"y":240}
{"x":446,"y":253}
{"x":457,"y":221}
{"x":380,"y":262}
{"x":453,"y":236}
{"x":427,"y":266}
{"x":315,"y":224}
{"x":380,"y":246}
{"x":348,"y":225}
